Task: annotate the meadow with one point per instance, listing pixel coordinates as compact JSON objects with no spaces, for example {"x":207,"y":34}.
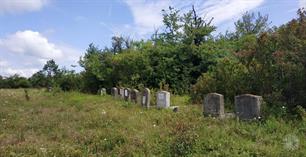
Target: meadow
{"x":76,"y":124}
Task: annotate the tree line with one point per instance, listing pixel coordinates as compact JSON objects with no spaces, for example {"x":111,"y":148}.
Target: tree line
{"x":185,"y":57}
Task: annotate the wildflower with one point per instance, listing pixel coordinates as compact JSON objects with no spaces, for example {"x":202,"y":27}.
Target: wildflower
{"x":43,"y":150}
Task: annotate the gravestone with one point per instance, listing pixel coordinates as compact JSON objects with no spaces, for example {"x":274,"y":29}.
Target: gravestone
{"x":146,"y":98}
{"x":214,"y":105}
{"x":49,"y":89}
{"x":114,"y":92}
{"x":121,"y":93}
{"x":163,"y":99}
{"x":127,"y":93}
{"x":139,"y":98}
{"x":102,"y":91}
{"x":247,"y":106}
{"x":134,"y":96}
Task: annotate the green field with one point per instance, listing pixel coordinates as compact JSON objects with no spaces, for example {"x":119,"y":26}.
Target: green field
{"x":75,"y":124}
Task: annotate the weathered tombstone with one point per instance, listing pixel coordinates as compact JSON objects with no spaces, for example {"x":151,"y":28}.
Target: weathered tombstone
{"x":139,"y":98}
{"x":114,"y":92}
{"x":49,"y":89}
{"x":247,"y":106}
{"x":146,"y":98}
{"x":134,"y":95}
{"x":127,"y":93}
{"x":163,"y":99}
{"x":214,"y":105}
{"x":102,"y":91}
{"x":121,"y":93}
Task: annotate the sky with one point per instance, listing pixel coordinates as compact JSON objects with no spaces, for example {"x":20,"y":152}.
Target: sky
{"x":34,"y":31}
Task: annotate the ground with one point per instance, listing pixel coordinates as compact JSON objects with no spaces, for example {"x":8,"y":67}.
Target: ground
{"x":75,"y":124}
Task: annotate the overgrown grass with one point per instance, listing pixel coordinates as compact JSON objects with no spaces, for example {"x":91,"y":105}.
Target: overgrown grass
{"x":75,"y":124}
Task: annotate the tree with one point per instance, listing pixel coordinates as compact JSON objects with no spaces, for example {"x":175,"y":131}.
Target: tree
{"x":52,"y":71}
{"x":120,"y":43}
{"x":39,"y":79}
{"x":171,"y":20}
{"x":51,"y":68}
{"x":251,"y":24}
{"x":196,"y":29}
{"x":92,"y":65}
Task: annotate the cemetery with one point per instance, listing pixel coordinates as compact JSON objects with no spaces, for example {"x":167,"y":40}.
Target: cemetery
{"x":115,"y":125}
{"x":167,"y":78}
{"x":247,"y":106}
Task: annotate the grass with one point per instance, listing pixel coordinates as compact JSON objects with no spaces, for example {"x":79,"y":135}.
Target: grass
{"x":75,"y":124}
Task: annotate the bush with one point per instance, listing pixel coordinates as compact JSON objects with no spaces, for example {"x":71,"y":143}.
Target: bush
{"x":227,"y":78}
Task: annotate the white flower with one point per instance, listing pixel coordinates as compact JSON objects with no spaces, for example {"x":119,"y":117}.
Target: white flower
{"x":43,"y":150}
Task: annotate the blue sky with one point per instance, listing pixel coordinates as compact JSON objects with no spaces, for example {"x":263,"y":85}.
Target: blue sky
{"x":34,"y":31}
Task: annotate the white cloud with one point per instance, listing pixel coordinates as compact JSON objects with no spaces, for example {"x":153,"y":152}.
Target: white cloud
{"x":302,"y":3}
{"x":25,"y":72}
{"x":24,"y":52}
{"x":17,"y":6}
{"x":228,"y":9}
{"x":7,"y":70}
{"x":148,"y":16}
{"x":30,"y":43}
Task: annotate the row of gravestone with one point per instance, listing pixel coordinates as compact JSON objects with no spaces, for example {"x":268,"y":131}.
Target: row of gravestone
{"x":247,"y":106}
{"x":143,"y":98}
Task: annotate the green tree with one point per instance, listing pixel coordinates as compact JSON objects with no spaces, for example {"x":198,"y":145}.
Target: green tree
{"x":52,"y":71}
{"x":251,"y":24}
{"x":39,"y":79}
{"x":171,"y":20}
{"x":196,"y":29}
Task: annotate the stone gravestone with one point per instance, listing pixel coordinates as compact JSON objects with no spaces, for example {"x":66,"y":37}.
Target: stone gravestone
{"x":114,"y":92}
{"x":49,"y":89}
{"x":146,"y":98}
{"x":163,"y":99}
{"x":102,"y":91}
{"x":214,"y":105}
{"x":121,"y":93}
{"x":134,"y":96}
{"x":127,"y":93}
{"x":247,"y":106}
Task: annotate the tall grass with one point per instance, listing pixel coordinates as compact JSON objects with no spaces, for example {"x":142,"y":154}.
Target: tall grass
{"x":75,"y":124}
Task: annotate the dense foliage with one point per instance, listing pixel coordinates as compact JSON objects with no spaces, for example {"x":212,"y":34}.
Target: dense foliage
{"x":271,"y":64}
